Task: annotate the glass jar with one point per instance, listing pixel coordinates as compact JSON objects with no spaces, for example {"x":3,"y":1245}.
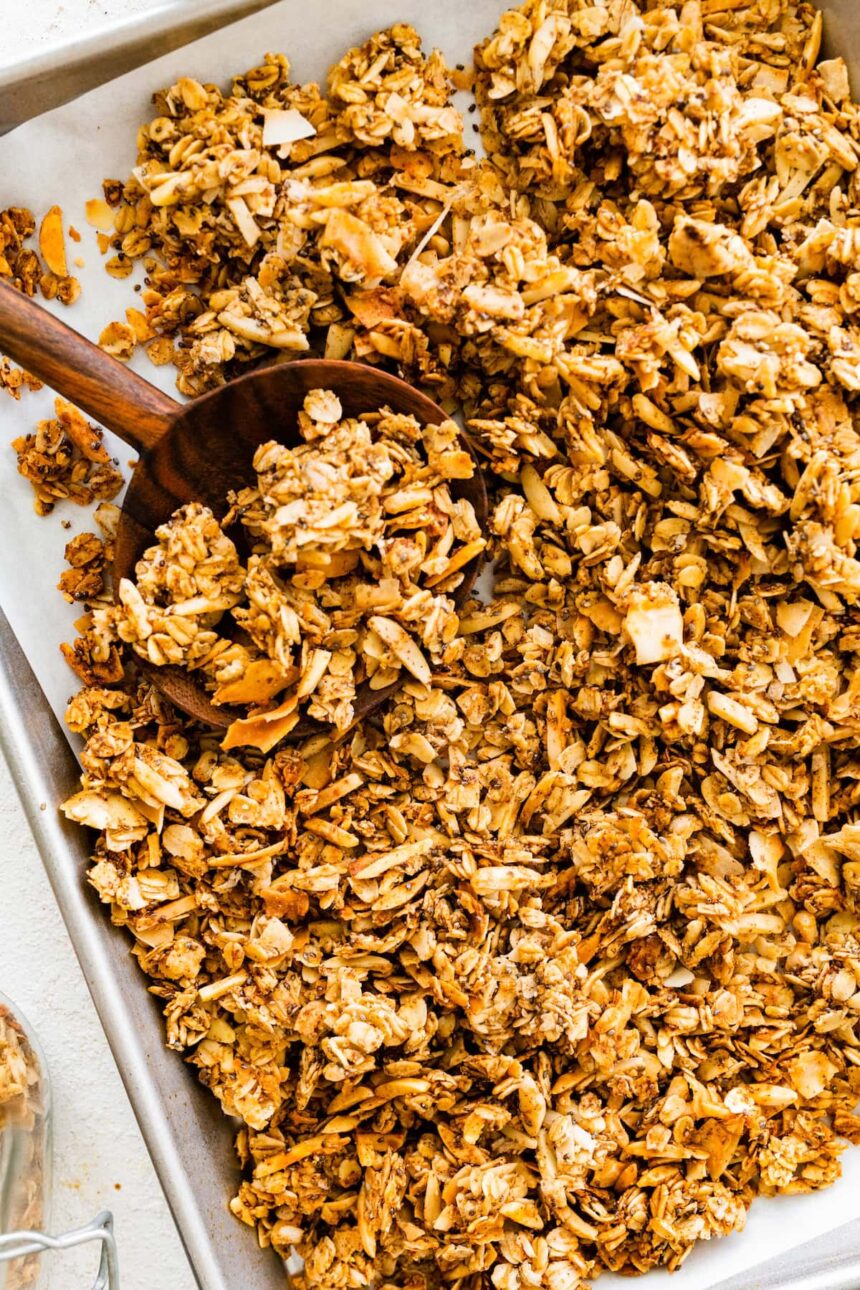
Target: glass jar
{"x":25,"y":1142}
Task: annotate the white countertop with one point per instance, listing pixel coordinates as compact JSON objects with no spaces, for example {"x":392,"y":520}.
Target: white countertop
{"x":100,"y":1161}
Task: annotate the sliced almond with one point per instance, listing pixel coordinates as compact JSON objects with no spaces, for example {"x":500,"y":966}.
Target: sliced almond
{"x":245,"y":221}
{"x":403,"y":647}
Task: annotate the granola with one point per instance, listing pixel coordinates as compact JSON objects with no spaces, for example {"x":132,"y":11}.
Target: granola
{"x":14,"y":379}
{"x":85,"y":579}
{"x":356,"y":543}
{"x":258,"y":213}
{"x":20,"y":264}
{"x":66,"y":458}
{"x":554,"y":966}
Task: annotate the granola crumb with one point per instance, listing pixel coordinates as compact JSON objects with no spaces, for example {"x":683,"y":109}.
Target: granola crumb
{"x":19,"y":264}
{"x":118,"y":339}
{"x":14,"y":379}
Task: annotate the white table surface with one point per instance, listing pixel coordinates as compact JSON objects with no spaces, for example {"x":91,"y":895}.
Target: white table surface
{"x":100,"y":1159}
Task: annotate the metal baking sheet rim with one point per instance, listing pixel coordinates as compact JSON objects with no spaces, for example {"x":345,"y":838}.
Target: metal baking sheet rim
{"x":166,"y":1099}
{"x":35,"y":85}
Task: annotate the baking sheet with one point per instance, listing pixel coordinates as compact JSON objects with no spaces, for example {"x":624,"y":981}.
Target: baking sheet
{"x":63,"y":156}
{"x":66,"y":68}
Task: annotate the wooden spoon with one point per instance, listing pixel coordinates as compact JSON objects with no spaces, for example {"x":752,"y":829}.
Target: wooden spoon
{"x":198,"y":451}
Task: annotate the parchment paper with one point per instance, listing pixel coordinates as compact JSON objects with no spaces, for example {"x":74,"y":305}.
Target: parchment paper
{"x":63,"y":157}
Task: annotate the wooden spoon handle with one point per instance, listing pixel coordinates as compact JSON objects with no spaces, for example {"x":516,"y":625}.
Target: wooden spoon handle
{"x":87,"y":376}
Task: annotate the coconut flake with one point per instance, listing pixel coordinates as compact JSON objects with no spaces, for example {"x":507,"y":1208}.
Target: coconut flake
{"x":654,"y":623}
{"x":99,"y":215}
{"x":284,"y":125}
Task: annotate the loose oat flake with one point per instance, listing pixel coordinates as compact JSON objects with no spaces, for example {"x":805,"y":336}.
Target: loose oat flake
{"x":554,"y":965}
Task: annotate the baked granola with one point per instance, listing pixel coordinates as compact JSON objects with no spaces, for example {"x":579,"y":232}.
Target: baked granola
{"x":66,"y":458}
{"x":85,"y":579}
{"x":21,"y":266}
{"x":355,"y":544}
{"x":14,"y":379}
{"x":554,"y":966}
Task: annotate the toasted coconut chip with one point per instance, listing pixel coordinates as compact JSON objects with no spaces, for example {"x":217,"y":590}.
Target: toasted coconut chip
{"x":52,"y":242}
{"x":284,"y":125}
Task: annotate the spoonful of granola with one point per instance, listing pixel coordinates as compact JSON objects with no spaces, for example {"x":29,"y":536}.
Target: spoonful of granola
{"x":293,"y":546}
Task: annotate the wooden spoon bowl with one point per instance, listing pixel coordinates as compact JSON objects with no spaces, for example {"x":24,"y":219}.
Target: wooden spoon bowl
{"x":200,"y":450}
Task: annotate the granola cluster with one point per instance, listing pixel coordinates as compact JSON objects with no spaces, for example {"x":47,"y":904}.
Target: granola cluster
{"x":14,"y":379}
{"x":19,"y":265}
{"x":554,"y":966}
{"x":65,"y":457}
{"x":22,"y":267}
{"x":356,"y":544}
{"x":86,"y":578}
